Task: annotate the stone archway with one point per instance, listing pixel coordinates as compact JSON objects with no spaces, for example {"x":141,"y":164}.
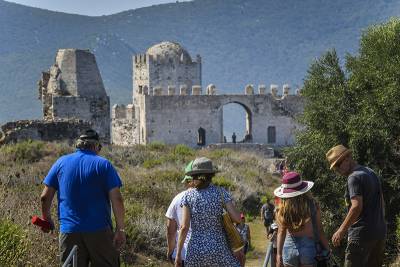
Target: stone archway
{"x":248,"y":135}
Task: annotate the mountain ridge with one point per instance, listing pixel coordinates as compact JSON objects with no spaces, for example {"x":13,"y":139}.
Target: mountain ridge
{"x":241,"y":42}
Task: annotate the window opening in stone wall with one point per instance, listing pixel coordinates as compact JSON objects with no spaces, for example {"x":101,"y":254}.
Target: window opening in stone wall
{"x":236,"y":124}
{"x":271,"y":134}
{"x":201,"y":138}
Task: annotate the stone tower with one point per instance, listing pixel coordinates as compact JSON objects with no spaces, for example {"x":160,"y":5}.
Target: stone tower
{"x":165,"y":66}
{"x":73,"y":89}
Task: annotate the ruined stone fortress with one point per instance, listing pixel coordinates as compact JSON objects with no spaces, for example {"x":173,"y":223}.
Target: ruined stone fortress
{"x":168,"y":105}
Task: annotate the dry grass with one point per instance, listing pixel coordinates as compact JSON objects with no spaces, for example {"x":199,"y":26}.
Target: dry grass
{"x":151,"y":177}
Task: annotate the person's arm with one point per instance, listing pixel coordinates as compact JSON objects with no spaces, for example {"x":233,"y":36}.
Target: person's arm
{"x":172,"y":227}
{"x":280,"y":240}
{"x":351,"y":217}
{"x":322,"y":236}
{"x":117,"y":204}
{"x":182,"y":235}
{"x":46,"y":198}
{"x":233,"y":212}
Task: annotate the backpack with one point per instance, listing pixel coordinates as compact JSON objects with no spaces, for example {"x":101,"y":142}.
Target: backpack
{"x":268,"y":215}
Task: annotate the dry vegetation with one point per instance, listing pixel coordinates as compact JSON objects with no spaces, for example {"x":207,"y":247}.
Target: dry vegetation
{"x":151,"y":177}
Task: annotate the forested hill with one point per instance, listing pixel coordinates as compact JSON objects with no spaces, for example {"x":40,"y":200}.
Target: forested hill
{"x":240,"y":41}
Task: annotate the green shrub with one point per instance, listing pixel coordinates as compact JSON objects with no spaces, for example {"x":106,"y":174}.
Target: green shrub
{"x":224,"y":182}
{"x":151,"y":163}
{"x":266,"y":197}
{"x":183,"y":150}
{"x":167,"y":175}
{"x":26,"y":151}
{"x":398,"y":227}
{"x":13,"y":244}
{"x":157,"y":146}
{"x":220,"y":153}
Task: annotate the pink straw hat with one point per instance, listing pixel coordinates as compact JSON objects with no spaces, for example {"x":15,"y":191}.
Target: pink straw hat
{"x":292,"y":186}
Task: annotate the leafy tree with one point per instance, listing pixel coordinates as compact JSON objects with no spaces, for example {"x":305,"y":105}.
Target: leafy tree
{"x":360,"y":108}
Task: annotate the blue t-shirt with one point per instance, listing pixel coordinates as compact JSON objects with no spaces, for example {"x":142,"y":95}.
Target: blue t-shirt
{"x":83,"y":181}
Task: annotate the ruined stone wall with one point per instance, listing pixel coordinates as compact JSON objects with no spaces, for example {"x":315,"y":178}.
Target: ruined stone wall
{"x":176,"y":119}
{"x":92,"y":109}
{"x":124,"y":125}
{"x":63,"y":130}
{"x":261,"y":149}
{"x":73,"y":89}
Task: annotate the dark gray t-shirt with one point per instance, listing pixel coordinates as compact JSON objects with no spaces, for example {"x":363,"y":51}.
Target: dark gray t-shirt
{"x":371,"y":224}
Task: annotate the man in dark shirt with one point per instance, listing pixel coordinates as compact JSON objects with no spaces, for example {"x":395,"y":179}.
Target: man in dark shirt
{"x":364,"y":222}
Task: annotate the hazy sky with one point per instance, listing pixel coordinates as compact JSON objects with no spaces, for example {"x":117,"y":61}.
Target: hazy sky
{"x":91,"y":7}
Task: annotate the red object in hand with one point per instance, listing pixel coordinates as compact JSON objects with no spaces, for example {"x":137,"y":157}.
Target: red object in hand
{"x":45,"y":225}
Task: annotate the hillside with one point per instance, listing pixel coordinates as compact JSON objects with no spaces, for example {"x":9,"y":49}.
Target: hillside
{"x":151,"y":177}
{"x":251,"y":41}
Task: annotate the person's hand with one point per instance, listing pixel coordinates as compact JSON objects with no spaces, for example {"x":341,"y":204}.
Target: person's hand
{"x":50,"y":221}
{"x":279,"y":262}
{"x":119,"y":239}
{"x":178,"y":261}
{"x":337,"y":237}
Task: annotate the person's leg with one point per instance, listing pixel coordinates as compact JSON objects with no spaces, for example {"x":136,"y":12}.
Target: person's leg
{"x":290,"y":253}
{"x":375,"y":255}
{"x":101,"y":249}
{"x":355,"y":254}
{"x":67,"y":242}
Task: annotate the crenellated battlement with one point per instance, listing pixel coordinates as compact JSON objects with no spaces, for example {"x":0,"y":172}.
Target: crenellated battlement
{"x":121,"y":111}
{"x":170,"y":104}
{"x":196,"y":90}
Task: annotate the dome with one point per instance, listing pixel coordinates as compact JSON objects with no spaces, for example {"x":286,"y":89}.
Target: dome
{"x":169,"y":50}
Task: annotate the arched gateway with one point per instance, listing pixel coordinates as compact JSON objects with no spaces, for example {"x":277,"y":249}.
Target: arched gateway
{"x":169,"y":105}
{"x":176,"y":119}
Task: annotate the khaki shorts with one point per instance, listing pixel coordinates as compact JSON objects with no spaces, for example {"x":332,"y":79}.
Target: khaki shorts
{"x":362,"y":254}
{"x":94,"y":247}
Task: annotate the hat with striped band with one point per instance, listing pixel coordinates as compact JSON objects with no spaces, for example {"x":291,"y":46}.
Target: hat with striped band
{"x":292,"y":186}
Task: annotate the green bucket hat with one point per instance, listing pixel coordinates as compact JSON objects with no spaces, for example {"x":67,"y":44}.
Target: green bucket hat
{"x":200,"y":166}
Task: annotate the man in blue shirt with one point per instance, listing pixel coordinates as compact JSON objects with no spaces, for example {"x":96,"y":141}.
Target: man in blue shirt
{"x":86,"y":184}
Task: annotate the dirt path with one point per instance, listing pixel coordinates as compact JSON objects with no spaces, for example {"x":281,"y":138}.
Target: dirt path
{"x":255,"y":258}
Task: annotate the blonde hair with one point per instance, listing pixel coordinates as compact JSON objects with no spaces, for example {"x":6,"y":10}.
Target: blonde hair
{"x":294,"y":212}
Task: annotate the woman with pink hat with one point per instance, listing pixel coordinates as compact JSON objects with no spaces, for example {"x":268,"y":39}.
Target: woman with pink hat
{"x":300,"y":233}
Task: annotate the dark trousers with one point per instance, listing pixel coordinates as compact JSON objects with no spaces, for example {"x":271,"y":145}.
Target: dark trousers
{"x":363,"y":254}
{"x":95,"y":248}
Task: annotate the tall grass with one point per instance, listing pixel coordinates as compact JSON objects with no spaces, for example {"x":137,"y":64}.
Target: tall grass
{"x":151,"y":178}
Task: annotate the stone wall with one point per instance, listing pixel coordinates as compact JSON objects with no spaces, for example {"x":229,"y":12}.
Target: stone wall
{"x":62,"y":130}
{"x":124,"y":125}
{"x":73,"y":89}
{"x":165,"y":65}
{"x":177,"y":119}
{"x":261,"y":149}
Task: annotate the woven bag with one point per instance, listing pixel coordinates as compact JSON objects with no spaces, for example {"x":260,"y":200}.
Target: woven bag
{"x":234,"y":239}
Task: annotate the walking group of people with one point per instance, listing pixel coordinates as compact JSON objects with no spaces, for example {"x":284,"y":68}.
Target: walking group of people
{"x":195,"y":232}
{"x":301,"y":240}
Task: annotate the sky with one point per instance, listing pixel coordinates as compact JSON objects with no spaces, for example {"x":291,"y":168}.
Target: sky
{"x":91,"y":7}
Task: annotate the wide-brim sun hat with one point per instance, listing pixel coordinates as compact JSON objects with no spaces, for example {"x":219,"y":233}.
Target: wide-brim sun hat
{"x":292,"y":186}
{"x":200,"y":166}
{"x":336,"y":154}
